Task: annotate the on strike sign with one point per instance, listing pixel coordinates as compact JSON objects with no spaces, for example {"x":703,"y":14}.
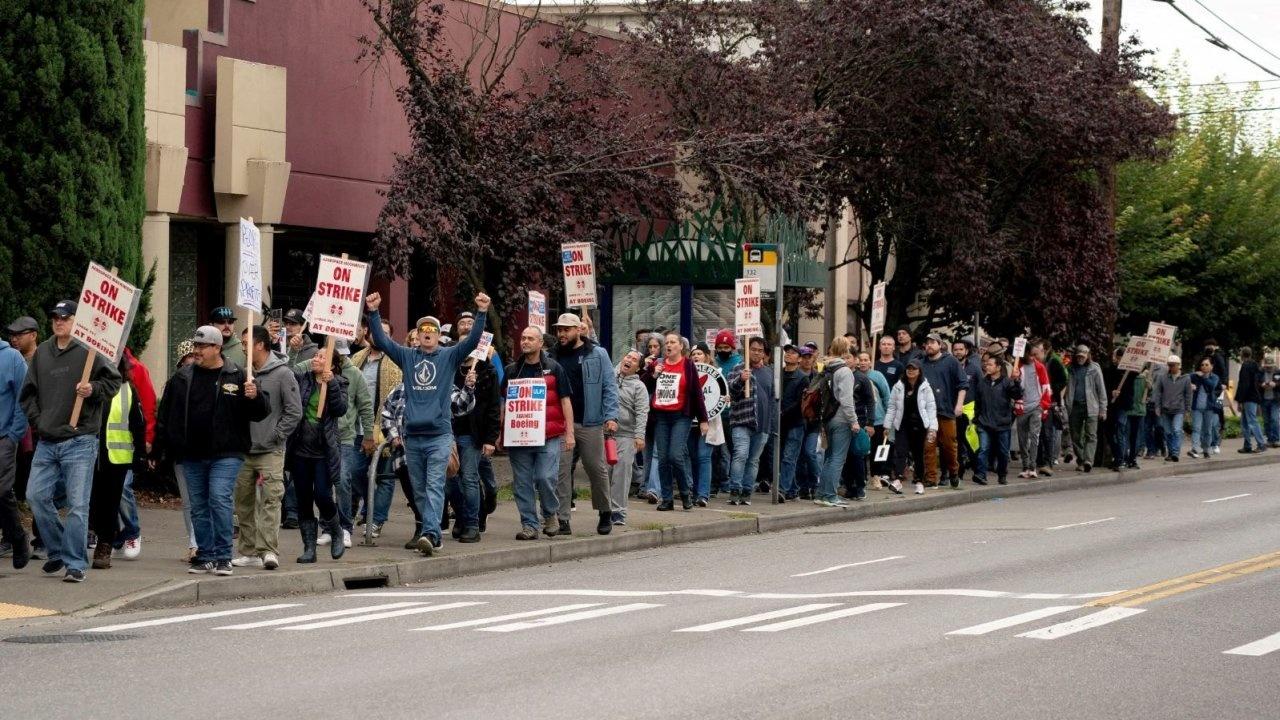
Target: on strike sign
{"x":579,"y":261}
{"x":526,"y":413}
{"x":339,"y":297}
{"x":1136,"y":354}
{"x":746,"y":307}
{"x":105,"y":312}
{"x":538,"y":311}
{"x":878,"y":308}
{"x":1162,"y":336}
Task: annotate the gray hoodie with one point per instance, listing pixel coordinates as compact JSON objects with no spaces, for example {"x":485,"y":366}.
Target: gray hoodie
{"x":49,"y":392}
{"x":633,"y":405}
{"x":1172,"y":395}
{"x":276,"y":381}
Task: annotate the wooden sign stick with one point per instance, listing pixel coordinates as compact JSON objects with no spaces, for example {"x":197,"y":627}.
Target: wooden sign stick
{"x":746,"y":344}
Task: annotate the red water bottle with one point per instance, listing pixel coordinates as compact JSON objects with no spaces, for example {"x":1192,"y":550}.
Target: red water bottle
{"x":610,"y":450}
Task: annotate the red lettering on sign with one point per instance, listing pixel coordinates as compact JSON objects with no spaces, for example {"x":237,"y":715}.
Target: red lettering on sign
{"x":341,"y":274}
{"x":109,"y":290}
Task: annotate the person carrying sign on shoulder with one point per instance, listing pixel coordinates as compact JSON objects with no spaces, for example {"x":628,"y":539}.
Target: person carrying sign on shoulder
{"x":677,"y":400}
{"x":428,"y":423}
{"x":593,"y":390}
{"x":535,"y":469}
{"x":65,"y":455}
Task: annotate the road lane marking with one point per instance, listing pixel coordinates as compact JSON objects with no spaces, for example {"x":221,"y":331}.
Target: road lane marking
{"x":759,"y":617}
{"x":317,"y":616}
{"x":822,"y":617}
{"x":512,"y":616}
{"x":737,"y":594}
{"x":1080,"y":524}
{"x":1088,"y":622}
{"x":1257,"y":648}
{"x":380,"y":616}
{"x":1012,"y":620}
{"x":842,"y":567}
{"x":546,"y":593}
{"x":189,"y":618}
{"x":1229,"y":497}
{"x":1193,"y":581}
{"x":571,"y":617}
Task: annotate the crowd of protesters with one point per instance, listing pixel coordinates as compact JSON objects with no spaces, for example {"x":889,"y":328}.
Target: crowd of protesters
{"x":268,"y":430}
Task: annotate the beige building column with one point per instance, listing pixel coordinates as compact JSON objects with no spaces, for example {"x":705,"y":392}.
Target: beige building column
{"x":165,"y":119}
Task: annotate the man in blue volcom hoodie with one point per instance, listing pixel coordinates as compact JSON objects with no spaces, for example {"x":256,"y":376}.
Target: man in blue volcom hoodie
{"x":428,"y":423}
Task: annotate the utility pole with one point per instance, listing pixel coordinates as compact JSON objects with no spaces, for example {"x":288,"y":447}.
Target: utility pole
{"x":1110,"y":52}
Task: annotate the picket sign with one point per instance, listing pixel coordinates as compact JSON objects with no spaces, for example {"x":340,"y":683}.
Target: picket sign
{"x":1020,"y":347}
{"x":579,"y":261}
{"x":104,"y":315}
{"x":249,"y":289}
{"x":1162,"y":335}
{"x":878,"y":308}
{"x":482,"y":348}
{"x":525,"y":416}
{"x":328,"y":343}
{"x":746,"y":317}
{"x":538,"y":311}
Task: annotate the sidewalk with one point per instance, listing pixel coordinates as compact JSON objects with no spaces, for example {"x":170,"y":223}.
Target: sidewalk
{"x":159,"y":578}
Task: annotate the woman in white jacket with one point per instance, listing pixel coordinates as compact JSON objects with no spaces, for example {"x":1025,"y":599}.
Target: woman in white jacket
{"x":911,"y":422}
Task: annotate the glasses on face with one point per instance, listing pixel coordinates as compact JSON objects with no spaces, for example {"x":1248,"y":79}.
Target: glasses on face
{"x":425,"y":328}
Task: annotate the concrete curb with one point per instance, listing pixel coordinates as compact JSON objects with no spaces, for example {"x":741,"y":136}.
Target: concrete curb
{"x":183,"y":592}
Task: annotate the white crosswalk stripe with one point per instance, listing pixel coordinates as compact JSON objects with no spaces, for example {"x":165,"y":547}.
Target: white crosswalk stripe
{"x":571,"y":617}
{"x":189,"y":618}
{"x":760,"y":617}
{"x":822,"y":617}
{"x":379,"y":616}
{"x":295,"y":619}
{"x":1088,"y":622}
{"x":1012,"y":620}
{"x":512,"y":616}
{"x":1257,"y":648}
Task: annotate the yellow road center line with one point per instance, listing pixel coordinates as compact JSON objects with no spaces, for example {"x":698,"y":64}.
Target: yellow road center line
{"x":1192,"y":581}
{"x":9,"y":611}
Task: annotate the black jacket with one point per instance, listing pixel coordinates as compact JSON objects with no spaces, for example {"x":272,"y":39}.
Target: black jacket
{"x":485,"y":419}
{"x":335,"y":406}
{"x":232,"y":413}
{"x":794,"y":383}
{"x":1249,"y":384}
{"x":994,"y":399}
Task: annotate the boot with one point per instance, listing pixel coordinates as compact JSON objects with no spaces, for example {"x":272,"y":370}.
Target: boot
{"x":308,"y":530}
{"x":102,"y":556}
{"x":337,"y":547}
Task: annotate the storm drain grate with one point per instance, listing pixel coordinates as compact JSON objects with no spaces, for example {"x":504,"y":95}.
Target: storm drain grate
{"x":68,"y":638}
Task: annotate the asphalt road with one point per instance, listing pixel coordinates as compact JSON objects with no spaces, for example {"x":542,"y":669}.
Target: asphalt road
{"x":978,"y":611}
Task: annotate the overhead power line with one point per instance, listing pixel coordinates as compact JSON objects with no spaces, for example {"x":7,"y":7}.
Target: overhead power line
{"x":1236,"y":30}
{"x":1224,"y":112}
{"x":1219,"y":41}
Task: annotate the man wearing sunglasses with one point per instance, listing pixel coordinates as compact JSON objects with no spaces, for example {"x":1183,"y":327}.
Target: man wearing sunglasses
{"x":429,"y":370}
{"x":224,"y":318}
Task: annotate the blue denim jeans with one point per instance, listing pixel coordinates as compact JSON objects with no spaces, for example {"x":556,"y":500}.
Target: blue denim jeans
{"x":993,"y":453}
{"x":1271,"y":420}
{"x":129,"y":529}
{"x":210,"y":486}
{"x":1119,"y":438}
{"x":839,"y":438}
{"x":535,"y":471}
{"x":289,"y":505}
{"x":1202,"y":424}
{"x":792,"y":443}
{"x":355,"y":466}
{"x":809,"y":466}
{"x":700,"y":459}
{"x":383,"y":491}
{"x":1172,"y":425}
{"x":427,"y":457}
{"x":747,"y":447}
{"x":671,"y":451}
{"x":1154,"y":443}
{"x":464,"y":488}
{"x":58,"y":470}
{"x":1249,"y":427}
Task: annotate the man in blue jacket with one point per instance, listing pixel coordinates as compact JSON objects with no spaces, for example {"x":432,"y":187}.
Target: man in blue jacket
{"x":13,"y":426}
{"x":593,"y":392}
{"x":428,"y":423}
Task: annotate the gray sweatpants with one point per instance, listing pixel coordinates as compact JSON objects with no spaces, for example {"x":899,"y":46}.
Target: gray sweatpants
{"x":1029,"y":437}
{"x":620,"y":474}
{"x":590,"y":442}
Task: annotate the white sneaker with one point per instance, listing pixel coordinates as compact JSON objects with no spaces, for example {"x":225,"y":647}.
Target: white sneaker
{"x":346,"y":538}
{"x":1215,"y":450}
{"x":377,"y":530}
{"x":840,"y":502}
{"x":247,"y":561}
{"x":132,"y":548}
{"x":897,"y":485}
{"x":919,"y":488}
{"x":270,"y":561}
{"x":324,"y":539}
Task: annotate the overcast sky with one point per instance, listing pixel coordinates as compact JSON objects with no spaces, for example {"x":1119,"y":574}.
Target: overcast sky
{"x":1171,"y":36}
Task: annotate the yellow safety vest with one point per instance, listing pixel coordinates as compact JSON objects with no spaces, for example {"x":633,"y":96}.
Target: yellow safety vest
{"x":119,"y":439}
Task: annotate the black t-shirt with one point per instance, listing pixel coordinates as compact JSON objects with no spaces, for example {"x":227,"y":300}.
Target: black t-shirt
{"x":571,"y":362}
{"x":200,"y":404}
{"x":911,"y":408}
{"x":892,"y":370}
